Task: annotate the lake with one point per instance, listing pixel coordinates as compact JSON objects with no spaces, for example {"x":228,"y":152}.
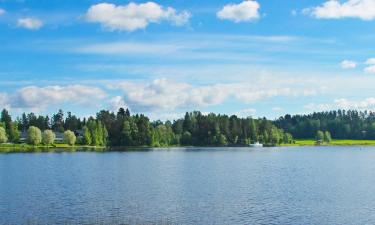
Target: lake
{"x":296,"y":185}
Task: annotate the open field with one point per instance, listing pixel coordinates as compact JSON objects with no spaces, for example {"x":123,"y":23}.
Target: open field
{"x":9,"y":147}
{"x":343,"y":142}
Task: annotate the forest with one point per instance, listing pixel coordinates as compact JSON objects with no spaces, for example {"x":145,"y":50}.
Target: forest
{"x":341,"y":124}
{"x":123,"y":129}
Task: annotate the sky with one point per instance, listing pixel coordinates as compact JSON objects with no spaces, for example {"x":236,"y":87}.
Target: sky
{"x":163,"y":58}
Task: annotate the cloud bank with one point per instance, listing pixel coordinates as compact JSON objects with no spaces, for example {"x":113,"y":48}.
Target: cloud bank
{"x":30,"y":23}
{"x":134,"y":16}
{"x":243,"y":12}
{"x":348,"y":64}
{"x":334,"y":9}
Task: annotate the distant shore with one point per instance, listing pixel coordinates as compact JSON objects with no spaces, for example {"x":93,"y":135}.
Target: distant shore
{"x":10,"y":148}
{"x":341,"y":142}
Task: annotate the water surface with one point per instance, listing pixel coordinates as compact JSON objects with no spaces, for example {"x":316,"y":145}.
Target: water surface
{"x":298,"y":185}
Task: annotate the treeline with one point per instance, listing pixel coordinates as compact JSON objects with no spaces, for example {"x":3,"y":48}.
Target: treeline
{"x":124,"y":129}
{"x":341,"y":124}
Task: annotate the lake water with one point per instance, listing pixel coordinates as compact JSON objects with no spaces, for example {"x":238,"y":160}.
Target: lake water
{"x":298,"y":185}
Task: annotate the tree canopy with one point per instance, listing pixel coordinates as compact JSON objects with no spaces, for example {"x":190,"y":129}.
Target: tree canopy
{"x":341,"y":124}
{"x":121,"y":128}
{"x":34,"y":135}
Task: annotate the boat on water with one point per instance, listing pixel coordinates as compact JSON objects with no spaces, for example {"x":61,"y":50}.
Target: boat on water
{"x":256,"y":145}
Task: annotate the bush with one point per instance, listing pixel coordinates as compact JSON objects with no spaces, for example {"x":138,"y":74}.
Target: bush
{"x":327,"y":137}
{"x":48,"y":137}
{"x":34,"y":135}
{"x":3,"y":135}
{"x":69,"y":137}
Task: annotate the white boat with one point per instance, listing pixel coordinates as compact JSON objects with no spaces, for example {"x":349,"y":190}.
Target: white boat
{"x":256,"y":145}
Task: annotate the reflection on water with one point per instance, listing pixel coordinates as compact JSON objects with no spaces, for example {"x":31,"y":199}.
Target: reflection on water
{"x":309,"y":185}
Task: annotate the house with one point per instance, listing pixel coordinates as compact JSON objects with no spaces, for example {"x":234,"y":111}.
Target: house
{"x":59,"y":136}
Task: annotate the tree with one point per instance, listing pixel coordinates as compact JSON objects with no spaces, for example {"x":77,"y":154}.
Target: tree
{"x":5,"y":117}
{"x":48,"y":137}
{"x":13,"y":132}
{"x":186,"y":138}
{"x":287,"y":138}
{"x":319,"y":136}
{"x":274,"y":136}
{"x":58,"y":121}
{"x":69,"y":137}
{"x":327,"y":137}
{"x":126,"y":134}
{"x":86,"y":136}
{"x":3,"y":135}
{"x":34,"y":135}
{"x":222,"y":140}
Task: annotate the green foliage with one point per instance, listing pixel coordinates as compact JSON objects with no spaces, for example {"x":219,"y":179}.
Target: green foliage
{"x":13,"y":132}
{"x":34,"y":135}
{"x":69,"y":137}
{"x":3,"y":135}
{"x":222,"y":140}
{"x":122,"y":128}
{"x":342,"y":124}
{"x":48,"y":137}
{"x":186,"y":138}
{"x":287,"y":138}
{"x":319,"y":136}
{"x":95,"y":133}
{"x":327,"y":137}
{"x":86,"y":136}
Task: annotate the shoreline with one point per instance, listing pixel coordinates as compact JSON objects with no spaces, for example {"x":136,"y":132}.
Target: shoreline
{"x":25,"y":148}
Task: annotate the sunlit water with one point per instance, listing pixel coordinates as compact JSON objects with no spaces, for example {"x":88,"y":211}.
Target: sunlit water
{"x":308,"y":185}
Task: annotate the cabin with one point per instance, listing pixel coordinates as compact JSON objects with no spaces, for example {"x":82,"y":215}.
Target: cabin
{"x":59,"y":136}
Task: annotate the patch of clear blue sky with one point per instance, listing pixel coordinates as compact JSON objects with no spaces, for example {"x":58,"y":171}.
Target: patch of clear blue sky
{"x":52,"y":56}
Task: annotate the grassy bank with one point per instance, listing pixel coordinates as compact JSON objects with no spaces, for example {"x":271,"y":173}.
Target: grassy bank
{"x":7,"y":148}
{"x":344,"y":142}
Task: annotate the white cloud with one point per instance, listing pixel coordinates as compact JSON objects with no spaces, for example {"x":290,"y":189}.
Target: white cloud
{"x":2,"y":11}
{"x":318,"y":107}
{"x":29,"y":23}
{"x":4,"y":100}
{"x":277,"y":109}
{"x":164,"y":94}
{"x":370,"y":61}
{"x":242,"y":12}
{"x":348,"y":64}
{"x":246,"y":113}
{"x":367,"y":103}
{"x":41,"y":97}
{"x":134,"y":16}
{"x":117,"y":102}
{"x":334,"y":9}
{"x":370,"y":69}
{"x":128,"y":48}
{"x":343,"y":103}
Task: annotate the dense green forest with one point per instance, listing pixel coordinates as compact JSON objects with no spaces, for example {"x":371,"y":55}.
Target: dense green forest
{"x":195,"y":129}
{"x":341,"y":124}
{"x":124,"y":129}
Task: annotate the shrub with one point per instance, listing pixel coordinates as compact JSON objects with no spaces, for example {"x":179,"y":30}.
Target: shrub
{"x":48,"y":137}
{"x":69,"y":137}
{"x":34,"y":135}
{"x":3,"y":135}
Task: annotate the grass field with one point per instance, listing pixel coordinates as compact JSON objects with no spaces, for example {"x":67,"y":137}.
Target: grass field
{"x":336,"y":142}
{"x":58,"y":147}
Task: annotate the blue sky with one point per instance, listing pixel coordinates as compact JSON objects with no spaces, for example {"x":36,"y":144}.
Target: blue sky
{"x":250,"y":58}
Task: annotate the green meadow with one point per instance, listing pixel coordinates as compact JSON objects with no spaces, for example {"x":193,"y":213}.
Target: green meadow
{"x":334,"y":142}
